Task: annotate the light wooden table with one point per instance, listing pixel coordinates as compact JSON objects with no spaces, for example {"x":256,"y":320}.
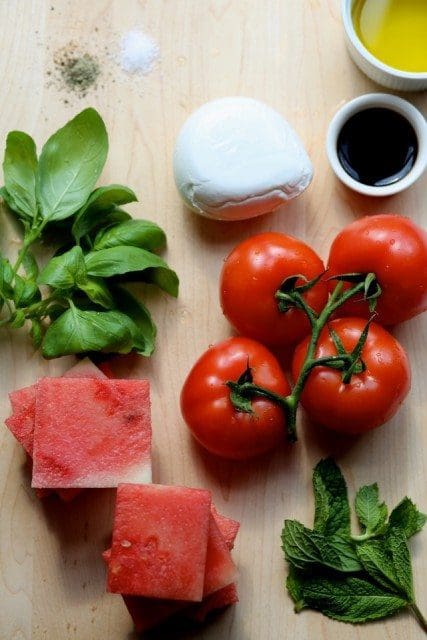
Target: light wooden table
{"x":291,"y":54}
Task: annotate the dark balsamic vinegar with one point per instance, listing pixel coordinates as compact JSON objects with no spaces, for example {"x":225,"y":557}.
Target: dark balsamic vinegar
{"x":377,"y":147}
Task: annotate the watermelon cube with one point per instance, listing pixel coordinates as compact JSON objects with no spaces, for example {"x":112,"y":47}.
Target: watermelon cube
{"x":160,"y":540}
{"x":100,"y":436}
{"x":84,"y":369}
{"x":220,"y":569}
{"x":147,"y":613}
{"x":21,"y":422}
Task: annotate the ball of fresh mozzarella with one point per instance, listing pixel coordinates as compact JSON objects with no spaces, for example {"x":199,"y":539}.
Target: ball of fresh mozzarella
{"x":238,"y":158}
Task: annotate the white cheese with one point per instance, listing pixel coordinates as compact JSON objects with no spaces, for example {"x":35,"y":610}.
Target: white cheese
{"x":238,"y":158}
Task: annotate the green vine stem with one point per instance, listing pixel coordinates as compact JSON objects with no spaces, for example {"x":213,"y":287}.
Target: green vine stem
{"x":244,"y":389}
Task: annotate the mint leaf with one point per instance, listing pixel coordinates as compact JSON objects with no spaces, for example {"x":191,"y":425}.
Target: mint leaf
{"x":407,"y":517}
{"x":304,"y":548}
{"x":377,"y":561}
{"x":332,"y":509}
{"x":65,"y":271}
{"x":100,"y":202}
{"x":350,"y":599}
{"x":396,"y":542}
{"x":295,"y":587}
{"x":70,"y":164}
{"x":371,"y":513}
{"x":19,"y":169}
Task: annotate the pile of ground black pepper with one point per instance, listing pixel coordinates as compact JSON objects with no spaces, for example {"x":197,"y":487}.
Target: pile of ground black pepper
{"x":78,"y":71}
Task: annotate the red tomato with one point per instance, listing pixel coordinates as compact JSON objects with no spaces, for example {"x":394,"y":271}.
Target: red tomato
{"x":209,"y":413}
{"x":371,"y":397}
{"x":250,"y":277}
{"x":395,"y":249}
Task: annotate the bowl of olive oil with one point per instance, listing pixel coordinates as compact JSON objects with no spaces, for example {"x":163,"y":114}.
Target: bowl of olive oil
{"x":388,"y":40}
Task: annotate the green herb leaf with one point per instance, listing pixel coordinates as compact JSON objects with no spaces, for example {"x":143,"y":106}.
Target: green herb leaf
{"x":407,"y":517}
{"x":36,"y":333}
{"x":6,"y":279}
{"x":19,"y":168}
{"x":396,"y":541}
{"x":144,"y":333}
{"x":78,"y":331}
{"x":371,"y":513}
{"x":136,"y":233}
{"x":65,"y":271}
{"x":295,"y":587}
{"x":70,"y":164}
{"x":97,"y":291}
{"x":101,"y":202}
{"x":377,"y":561}
{"x":30,"y":265}
{"x":332,"y":509}
{"x":25,"y":292}
{"x":121,"y":260}
{"x":304,"y":548}
{"x":350,"y":599}
{"x":18,"y":319}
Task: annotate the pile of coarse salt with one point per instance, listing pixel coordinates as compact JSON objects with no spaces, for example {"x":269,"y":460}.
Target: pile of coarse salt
{"x":138,"y":52}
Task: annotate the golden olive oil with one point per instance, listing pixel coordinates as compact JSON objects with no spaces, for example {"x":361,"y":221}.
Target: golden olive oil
{"x":394,"y":31}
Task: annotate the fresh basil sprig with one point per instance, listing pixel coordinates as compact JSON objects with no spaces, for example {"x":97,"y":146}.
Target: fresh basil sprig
{"x":352,"y":578}
{"x":78,"y":302}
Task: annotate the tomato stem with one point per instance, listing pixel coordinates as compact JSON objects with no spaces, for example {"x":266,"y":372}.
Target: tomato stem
{"x":244,"y":390}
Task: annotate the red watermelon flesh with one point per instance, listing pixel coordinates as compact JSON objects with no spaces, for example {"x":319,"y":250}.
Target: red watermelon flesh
{"x":215,"y":601}
{"x":160,"y":540}
{"x":23,"y":401}
{"x":147,"y":613}
{"x":220,"y":568}
{"x":21,"y":422}
{"x":101,"y":436}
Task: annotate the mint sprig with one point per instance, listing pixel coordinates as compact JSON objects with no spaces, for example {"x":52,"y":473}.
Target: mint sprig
{"x":79,"y":301}
{"x":352,"y":577}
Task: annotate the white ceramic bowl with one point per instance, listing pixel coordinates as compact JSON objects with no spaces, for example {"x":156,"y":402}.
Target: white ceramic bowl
{"x":374,"y":68}
{"x":368,"y":101}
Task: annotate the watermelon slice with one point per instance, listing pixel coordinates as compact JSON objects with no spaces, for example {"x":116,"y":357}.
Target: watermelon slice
{"x":23,"y":401}
{"x":147,"y":613}
{"x":160,"y":540}
{"x":101,"y":436}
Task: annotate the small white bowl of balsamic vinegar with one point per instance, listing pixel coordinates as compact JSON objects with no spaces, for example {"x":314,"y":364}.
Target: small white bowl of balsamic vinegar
{"x":387,"y":39}
{"x":377,"y":144}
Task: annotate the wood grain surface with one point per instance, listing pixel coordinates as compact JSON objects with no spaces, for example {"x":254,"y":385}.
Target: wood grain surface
{"x":290,"y":54}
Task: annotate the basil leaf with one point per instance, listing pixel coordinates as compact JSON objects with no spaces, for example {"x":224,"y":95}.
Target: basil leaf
{"x":407,"y":517}
{"x":36,"y":333}
{"x":19,"y":168}
{"x":101,"y":201}
{"x":78,"y":331}
{"x":304,"y":548}
{"x":97,"y":291}
{"x":17,"y":320}
{"x":136,"y":233}
{"x":350,"y":599}
{"x":332,"y":509}
{"x":30,"y":265}
{"x":378,"y":563}
{"x":70,"y":164}
{"x":124,"y":260}
{"x":144,"y":335}
{"x":6,"y":279}
{"x":396,"y":541}
{"x":65,"y":271}
{"x":25,"y":292}
{"x":371,"y":513}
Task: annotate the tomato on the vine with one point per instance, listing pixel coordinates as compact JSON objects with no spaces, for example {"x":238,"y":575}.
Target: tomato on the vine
{"x":209,"y":412}
{"x":372,"y":396}
{"x":252,"y":274}
{"x":395,"y":249}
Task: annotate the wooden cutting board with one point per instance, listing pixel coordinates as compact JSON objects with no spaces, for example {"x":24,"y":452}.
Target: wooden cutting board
{"x":290,"y":54}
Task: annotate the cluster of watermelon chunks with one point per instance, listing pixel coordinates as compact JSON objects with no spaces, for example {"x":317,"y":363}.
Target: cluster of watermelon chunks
{"x":170,"y":554}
